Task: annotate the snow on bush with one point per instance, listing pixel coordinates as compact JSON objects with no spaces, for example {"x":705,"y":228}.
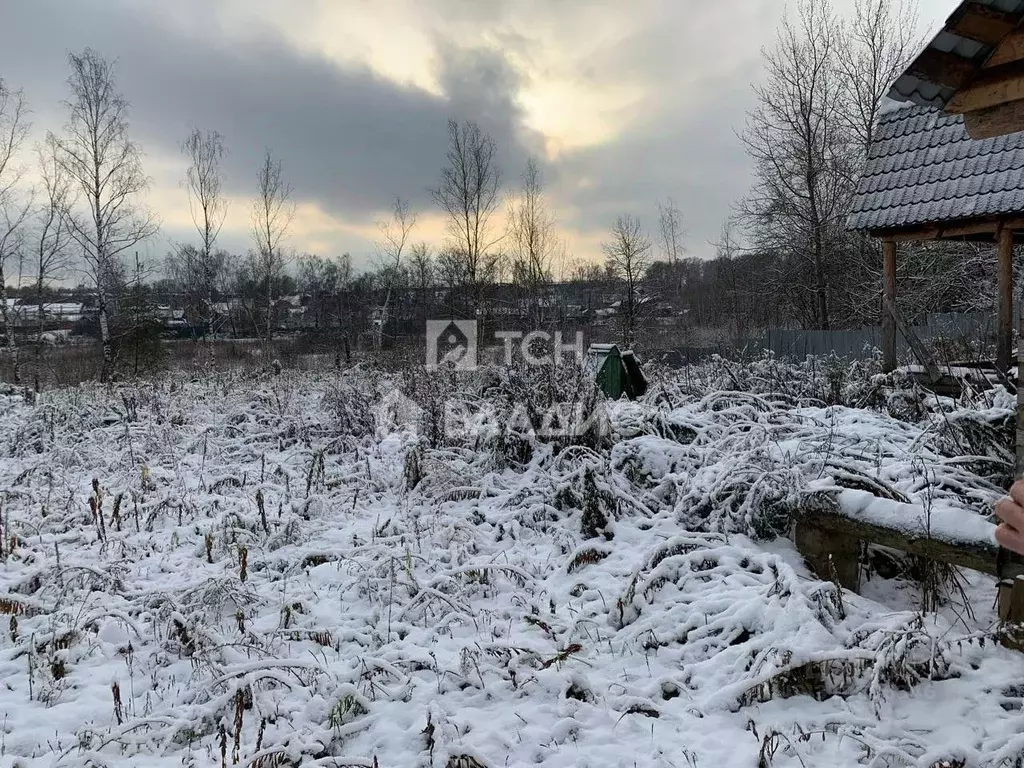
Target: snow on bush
{"x":444,"y":569}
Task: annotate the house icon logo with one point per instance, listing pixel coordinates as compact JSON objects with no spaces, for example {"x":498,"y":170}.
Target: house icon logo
{"x":451,"y":342}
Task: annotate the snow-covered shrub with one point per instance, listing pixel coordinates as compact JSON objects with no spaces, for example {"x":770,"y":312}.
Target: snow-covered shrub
{"x":815,"y":381}
{"x":464,"y":591}
{"x":350,"y":401}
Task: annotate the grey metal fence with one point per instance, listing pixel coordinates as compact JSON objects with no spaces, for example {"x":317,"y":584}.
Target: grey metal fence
{"x":852,"y":344}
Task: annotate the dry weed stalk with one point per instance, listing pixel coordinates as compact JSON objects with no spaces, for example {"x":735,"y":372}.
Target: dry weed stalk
{"x":317,"y":472}
{"x":11,"y":606}
{"x":96,"y":506}
{"x":239,"y":722}
{"x":115,"y":691}
{"x":116,"y":514}
{"x":259,"y":734}
{"x":243,"y":563}
{"x":261,"y":504}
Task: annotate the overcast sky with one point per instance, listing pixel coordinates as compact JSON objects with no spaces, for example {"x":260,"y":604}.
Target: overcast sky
{"x":624,"y":103}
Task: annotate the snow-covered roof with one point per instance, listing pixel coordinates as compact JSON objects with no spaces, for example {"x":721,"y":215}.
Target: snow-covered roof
{"x":63,"y":307}
{"x":924,"y":168}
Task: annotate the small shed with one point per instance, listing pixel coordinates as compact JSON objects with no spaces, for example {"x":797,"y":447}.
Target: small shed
{"x":617,"y":372}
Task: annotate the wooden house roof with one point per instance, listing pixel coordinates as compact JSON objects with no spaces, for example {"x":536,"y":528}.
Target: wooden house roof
{"x":923,"y":169}
{"x":974,"y":66}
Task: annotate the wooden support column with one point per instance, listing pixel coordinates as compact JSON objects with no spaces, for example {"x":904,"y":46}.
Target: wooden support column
{"x":1004,"y":340}
{"x":889,"y":299}
{"x":1019,"y":470}
{"x":1011,"y":613}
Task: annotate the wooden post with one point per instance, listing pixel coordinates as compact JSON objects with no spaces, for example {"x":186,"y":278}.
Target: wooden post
{"x":1011,"y":613}
{"x":1004,"y":340}
{"x":832,"y":555}
{"x":889,"y":295}
{"x":1019,"y":472}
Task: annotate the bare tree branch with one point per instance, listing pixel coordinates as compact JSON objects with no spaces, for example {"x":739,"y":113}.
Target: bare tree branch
{"x":468,"y":195}
{"x":272,"y":213}
{"x":203,"y":268}
{"x":628,"y":252}
{"x":533,"y":242}
{"x":395,"y":233}
{"x":106,"y":168}
{"x":14,"y":207}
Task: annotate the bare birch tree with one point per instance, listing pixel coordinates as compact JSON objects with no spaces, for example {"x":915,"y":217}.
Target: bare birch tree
{"x":14,"y":204}
{"x":105,"y":166}
{"x":272,"y":212}
{"x":52,"y":254}
{"x":670,"y":224}
{"x":394,"y":237}
{"x":469,"y":196}
{"x":628,"y":254}
{"x":208,"y":206}
{"x":533,"y":242}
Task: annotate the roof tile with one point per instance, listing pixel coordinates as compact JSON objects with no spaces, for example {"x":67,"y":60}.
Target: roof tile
{"x":924,"y":168}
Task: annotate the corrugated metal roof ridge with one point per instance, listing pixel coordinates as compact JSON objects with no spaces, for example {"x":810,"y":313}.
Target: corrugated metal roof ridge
{"x":924,"y":168}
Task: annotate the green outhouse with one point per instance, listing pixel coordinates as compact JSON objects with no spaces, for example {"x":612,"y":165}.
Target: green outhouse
{"x":617,"y":372}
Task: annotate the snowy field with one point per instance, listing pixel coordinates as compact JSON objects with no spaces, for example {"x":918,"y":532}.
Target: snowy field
{"x":321,"y":570}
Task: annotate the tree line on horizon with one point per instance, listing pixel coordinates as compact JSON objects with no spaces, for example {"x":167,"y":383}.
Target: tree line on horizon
{"x":784,"y":257}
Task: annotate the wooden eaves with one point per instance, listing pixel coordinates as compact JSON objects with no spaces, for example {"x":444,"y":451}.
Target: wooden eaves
{"x":973,"y":67}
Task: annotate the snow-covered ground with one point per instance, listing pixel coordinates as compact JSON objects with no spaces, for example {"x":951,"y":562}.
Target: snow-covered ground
{"x":310,"y":569}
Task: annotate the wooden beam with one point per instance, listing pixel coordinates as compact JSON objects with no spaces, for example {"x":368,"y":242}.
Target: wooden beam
{"x":1011,"y":49}
{"x":965,"y":230}
{"x":991,"y":88}
{"x":937,"y":232}
{"x":982,"y":24}
{"x":977,"y":555}
{"x":888,"y":299}
{"x":999,"y":120}
{"x":1004,"y":338}
{"x":941,"y":68}
{"x":952,"y":231}
{"x":907,"y":235}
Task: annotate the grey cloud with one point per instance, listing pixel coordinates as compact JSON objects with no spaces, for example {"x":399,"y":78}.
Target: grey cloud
{"x":686,"y":151}
{"x":348,"y":138}
{"x":479,"y":84}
